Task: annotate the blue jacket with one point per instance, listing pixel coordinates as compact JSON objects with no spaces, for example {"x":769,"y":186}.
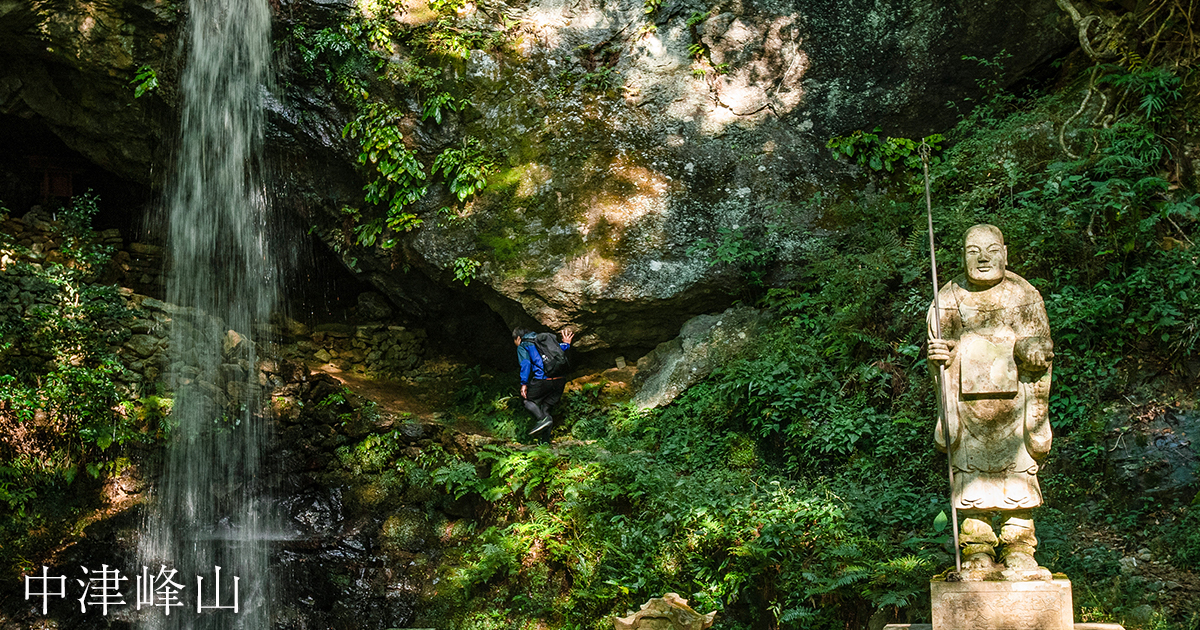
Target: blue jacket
{"x":530,"y":359}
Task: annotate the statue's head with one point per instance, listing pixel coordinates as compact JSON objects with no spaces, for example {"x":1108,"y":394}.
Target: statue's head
{"x":984,"y":255}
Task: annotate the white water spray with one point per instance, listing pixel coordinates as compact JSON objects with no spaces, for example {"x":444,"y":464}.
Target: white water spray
{"x":210,"y":507}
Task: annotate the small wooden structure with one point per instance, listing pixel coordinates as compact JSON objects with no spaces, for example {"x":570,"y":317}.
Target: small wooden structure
{"x":57,"y":178}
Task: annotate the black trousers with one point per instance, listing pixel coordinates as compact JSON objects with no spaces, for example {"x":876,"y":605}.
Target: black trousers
{"x":542,"y":395}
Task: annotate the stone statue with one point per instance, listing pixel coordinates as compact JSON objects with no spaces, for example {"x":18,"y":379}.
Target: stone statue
{"x":996,"y":348}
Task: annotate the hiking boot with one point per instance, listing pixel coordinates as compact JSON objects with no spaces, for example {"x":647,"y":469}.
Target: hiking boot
{"x":547,"y":421}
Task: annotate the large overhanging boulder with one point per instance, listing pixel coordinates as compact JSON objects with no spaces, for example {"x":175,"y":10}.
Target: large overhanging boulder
{"x":69,"y":63}
{"x":622,"y":139}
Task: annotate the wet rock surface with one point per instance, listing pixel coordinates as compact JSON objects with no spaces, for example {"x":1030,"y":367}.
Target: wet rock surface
{"x":364,"y":525}
{"x":675,"y":150}
{"x":69,"y":64}
{"x":1153,"y":451}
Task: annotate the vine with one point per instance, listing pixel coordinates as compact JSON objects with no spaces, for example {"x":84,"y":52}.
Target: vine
{"x":399,"y":177}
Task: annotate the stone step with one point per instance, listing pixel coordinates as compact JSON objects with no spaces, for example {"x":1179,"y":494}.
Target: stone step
{"x":930,"y":627}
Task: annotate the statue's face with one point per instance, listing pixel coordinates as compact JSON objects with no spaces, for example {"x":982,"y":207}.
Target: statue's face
{"x":986,"y":257}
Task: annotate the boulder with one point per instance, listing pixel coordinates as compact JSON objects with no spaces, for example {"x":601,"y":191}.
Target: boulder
{"x":70,"y":64}
{"x":142,"y":346}
{"x":594,"y":216}
{"x":705,"y":342}
{"x":373,"y":307}
{"x":235,"y":345}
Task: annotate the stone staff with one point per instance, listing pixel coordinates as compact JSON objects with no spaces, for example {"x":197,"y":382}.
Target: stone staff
{"x":941,"y":376}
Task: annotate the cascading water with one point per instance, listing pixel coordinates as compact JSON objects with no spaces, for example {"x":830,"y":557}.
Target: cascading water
{"x":210,"y":508}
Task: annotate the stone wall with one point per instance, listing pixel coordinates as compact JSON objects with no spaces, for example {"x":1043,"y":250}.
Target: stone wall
{"x":376,"y":349}
{"x":380,"y":349}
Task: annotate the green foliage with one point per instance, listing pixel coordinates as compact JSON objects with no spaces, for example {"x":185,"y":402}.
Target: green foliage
{"x":446,"y":6}
{"x":735,"y":248}
{"x":450,"y":38}
{"x":991,"y":83}
{"x":333,"y":400}
{"x":372,"y":454}
{"x":341,"y":54}
{"x":398,"y":177}
{"x":602,"y":79}
{"x":465,"y":268}
{"x":459,"y":478}
{"x":438,"y":102}
{"x":368,"y":234}
{"x":13,"y":490}
{"x":465,"y":168}
{"x":995,"y":103}
{"x":61,"y":407}
{"x":144,"y":81}
{"x":366,"y":56}
{"x":783,"y":490}
{"x":1155,"y":89}
{"x":868,"y":150}
{"x":648,"y":509}
{"x":698,"y":17}
{"x":1187,"y":543}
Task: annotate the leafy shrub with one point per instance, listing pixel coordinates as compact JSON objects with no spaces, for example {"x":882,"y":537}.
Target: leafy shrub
{"x":465,"y":168}
{"x":65,"y":420}
{"x":58,"y":390}
{"x":797,"y":486}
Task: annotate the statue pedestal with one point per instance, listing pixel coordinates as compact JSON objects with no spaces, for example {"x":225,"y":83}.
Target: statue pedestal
{"x":1002,"y":605}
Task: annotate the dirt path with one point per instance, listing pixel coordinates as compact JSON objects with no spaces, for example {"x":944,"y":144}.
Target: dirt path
{"x":426,"y":399}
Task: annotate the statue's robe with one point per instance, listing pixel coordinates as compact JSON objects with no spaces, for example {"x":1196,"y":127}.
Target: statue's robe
{"x":996,"y":411}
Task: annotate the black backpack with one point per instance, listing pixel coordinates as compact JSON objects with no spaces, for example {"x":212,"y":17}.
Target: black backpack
{"x":554,"y":360}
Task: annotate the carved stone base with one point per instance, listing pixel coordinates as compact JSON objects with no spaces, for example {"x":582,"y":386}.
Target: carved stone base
{"x":999,"y":573}
{"x":1002,"y":605}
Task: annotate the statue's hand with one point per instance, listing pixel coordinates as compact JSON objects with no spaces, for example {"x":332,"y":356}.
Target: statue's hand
{"x":940,"y":350}
{"x":1034,"y":353}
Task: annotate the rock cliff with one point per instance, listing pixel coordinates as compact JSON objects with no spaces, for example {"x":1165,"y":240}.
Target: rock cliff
{"x":632,"y":141}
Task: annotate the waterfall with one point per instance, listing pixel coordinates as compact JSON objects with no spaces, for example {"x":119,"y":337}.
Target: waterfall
{"x":209,"y":508}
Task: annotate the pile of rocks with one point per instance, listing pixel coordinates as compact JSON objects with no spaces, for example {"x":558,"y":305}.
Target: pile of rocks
{"x":146,"y":359}
{"x":37,"y":239}
{"x":142,"y":352}
{"x":375,"y":349}
{"x":34,"y":238}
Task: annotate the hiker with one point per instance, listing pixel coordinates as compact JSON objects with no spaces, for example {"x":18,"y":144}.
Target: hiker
{"x":541,"y":387}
